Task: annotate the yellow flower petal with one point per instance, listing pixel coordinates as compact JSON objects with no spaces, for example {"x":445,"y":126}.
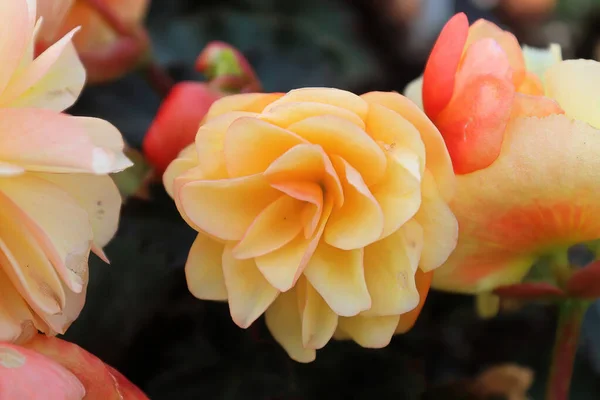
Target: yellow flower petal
{"x":204,"y":270}
{"x":542,"y":192}
{"x":287,"y":114}
{"x":98,"y":196}
{"x":370,"y":332}
{"x":312,"y":194}
{"x":440,"y":227}
{"x":338,"y":136}
{"x":318,"y":320}
{"x":306,"y":163}
{"x":339,"y":277}
{"x":334,"y":97}
{"x":53,"y":80}
{"x":284,"y":266}
{"x":407,"y":320}
{"x":399,"y":192}
{"x":437,"y":158}
{"x":210,"y":145}
{"x":16,"y":318}
{"x":243,"y":198}
{"x":42,"y":207}
{"x":187,"y":160}
{"x":390,"y":266}
{"x":360,"y":209}
{"x":249,"y":293}
{"x":247,"y":137}
{"x":249,"y":102}
{"x":284,"y":321}
{"x":569,"y":82}
{"x":274,"y":227}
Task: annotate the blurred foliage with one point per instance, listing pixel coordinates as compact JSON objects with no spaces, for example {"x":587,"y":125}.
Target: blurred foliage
{"x":140,"y":317}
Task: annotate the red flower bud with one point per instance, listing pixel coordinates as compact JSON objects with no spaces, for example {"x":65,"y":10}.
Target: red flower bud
{"x":177,"y":122}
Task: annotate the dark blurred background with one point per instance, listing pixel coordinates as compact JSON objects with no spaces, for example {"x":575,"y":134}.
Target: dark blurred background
{"x":140,"y":317}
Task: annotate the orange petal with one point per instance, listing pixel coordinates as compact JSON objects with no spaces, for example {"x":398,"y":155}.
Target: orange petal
{"x":423,"y":282}
{"x":540,"y":194}
{"x":287,"y":114}
{"x":284,"y":266}
{"x":390,"y":266}
{"x":338,"y":136}
{"x":204,"y":270}
{"x":370,"y":332}
{"x":437,"y":158}
{"x":531,"y":85}
{"x":473,"y":124}
{"x":274,"y":227}
{"x":251,"y":145}
{"x":483,"y":29}
{"x":310,"y":193}
{"x":318,"y":320}
{"x":360,"y":209}
{"x":285,"y":323}
{"x":334,"y":97}
{"x":339,"y":277}
{"x":438,"y":78}
{"x":534,"y":106}
{"x":221,"y":208}
{"x":249,"y":293}
{"x":306,"y":163}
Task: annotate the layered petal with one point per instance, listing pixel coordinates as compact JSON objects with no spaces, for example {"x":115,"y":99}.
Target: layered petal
{"x":203,"y":270}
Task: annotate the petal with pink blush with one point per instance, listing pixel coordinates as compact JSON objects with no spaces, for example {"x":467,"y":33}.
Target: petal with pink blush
{"x":545,"y":194}
{"x":41,"y":206}
{"x":249,"y":293}
{"x":108,"y":139}
{"x":390,"y":266}
{"x":285,"y":324}
{"x":15,"y":34}
{"x":247,"y":137}
{"x":339,"y":277}
{"x":338,"y":136}
{"x":59,"y":323}
{"x":440,"y":227}
{"x":53,"y":12}
{"x":360,"y":209}
{"x":286,"y":114}
{"x":53,"y":80}
{"x":204,"y":270}
{"x":438,"y":78}
{"x":274,"y":227}
{"x":482,"y":30}
{"x":437,"y":158}
{"x":284,"y":266}
{"x":307,"y":163}
{"x":318,"y":320}
{"x":243,"y":198}
{"x":569,"y":82}
{"x":370,"y":332}
{"x":22,"y":370}
{"x":333,"y":97}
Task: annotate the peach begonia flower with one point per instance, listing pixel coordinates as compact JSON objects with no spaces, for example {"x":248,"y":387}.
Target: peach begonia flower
{"x":539,"y":195}
{"x":56,"y":200}
{"x":52,"y":369}
{"x":471,"y":79}
{"x":106,"y":53}
{"x":322,"y":209}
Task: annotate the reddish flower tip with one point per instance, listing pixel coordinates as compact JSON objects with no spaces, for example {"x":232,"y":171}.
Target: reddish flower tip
{"x":440,"y":70}
{"x":176,"y":122}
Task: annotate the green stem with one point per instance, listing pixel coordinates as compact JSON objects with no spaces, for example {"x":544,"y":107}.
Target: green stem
{"x":571,"y":313}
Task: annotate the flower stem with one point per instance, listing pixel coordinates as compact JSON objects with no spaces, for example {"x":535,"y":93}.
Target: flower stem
{"x":571,"y":313}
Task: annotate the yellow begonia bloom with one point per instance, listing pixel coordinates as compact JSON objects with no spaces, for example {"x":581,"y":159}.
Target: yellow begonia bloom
{"x":322,"y":209}
{"x":56,"y":199}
